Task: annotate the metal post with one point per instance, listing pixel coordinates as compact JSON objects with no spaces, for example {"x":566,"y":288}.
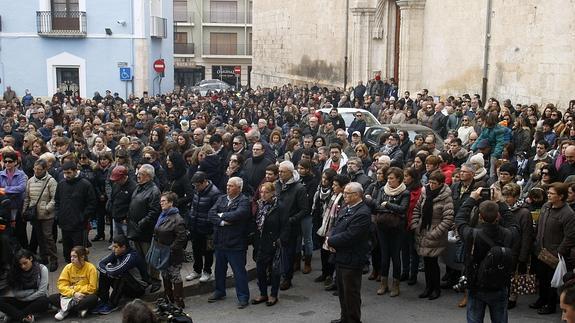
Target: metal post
{"x":486,"y":51}
{"x":346,"y":44}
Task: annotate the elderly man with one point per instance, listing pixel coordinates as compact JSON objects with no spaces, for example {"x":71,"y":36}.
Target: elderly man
{"x":142,"y":216}
{"x":292,"y":196}
{"x":119,"y":203}
{"x":349,"y":240}
{"x":231,"y":216}
{"x":568,"y":167}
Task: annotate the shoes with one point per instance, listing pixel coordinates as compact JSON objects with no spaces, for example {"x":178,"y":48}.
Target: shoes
{"x":110,"y":247}
{"x":383,"y":287}
{"x":511,"y":304}
{"x":243,"y":305}
{"x":192,"y":276}
{"x":412,"y":280}
{"x":285,"y":284}
{"x":214,"y":298}
{"x":307,"y":265}
{"x":365,"y":269}
{"x":546,"y":309}
{"x":336,"y":321}
{"x":97,"y":238}
{"x":83,"y":313}
{"x":319,"y":279}
{"x":273,"y":301}
{"x":259,"y":300}
{"x":331,"y":287}
{"x":156,"y":285}
{"x":394,"y":288}
{"x":104,"y":309}
{"x":425,"y":293}
{"x":60,"y":315}
{"x":404,"y":277}
{"x":206,"y":277}
{"x":463,"y":302}
{"x":28,"y":319}
{"x":537,"y":305}
{"x":373,"y":276}
{"x":328,"y":281}
{"x":53,"y":266}
{"x":434,"y":294}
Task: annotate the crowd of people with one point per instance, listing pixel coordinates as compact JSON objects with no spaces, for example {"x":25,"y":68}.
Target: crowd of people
{"x":264,"y":167}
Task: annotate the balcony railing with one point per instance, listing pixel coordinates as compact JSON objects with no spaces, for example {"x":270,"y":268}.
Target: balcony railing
{"x":184,"y":48}
{"x":227,"y":49}
{"x":61,"y":23}
{"x":227,"y":17}
{"x":185,"y":17}
{"x":158,"y":27}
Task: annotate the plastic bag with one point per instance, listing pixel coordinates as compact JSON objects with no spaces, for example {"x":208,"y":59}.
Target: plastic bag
{"x":560,"y":271}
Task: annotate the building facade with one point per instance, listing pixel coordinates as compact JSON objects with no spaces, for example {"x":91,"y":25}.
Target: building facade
{"x":211,"y":39}
{"x":86,"y":46}
{"x":516,"y":49}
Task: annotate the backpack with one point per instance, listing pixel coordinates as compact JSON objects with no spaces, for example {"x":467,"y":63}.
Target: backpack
{"x":494,"y":271}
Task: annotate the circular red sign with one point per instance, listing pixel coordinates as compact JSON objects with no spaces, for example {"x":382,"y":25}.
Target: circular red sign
{"x":159,"y":66}
{"x":238,"y":70}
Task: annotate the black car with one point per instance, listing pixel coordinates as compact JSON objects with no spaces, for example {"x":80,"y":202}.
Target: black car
{"x":373,"y":135}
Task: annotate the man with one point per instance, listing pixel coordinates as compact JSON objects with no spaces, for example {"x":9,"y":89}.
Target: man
{"x":198,"y":137}
{"x":230,"y":216}
{"x":393,"y":150}
{"x":358,"y":124}
{"x":310,"y":182}
{"x":458,"y":153}
{"x":264,"y":130}
{"x":482,"y":240}
{"x":46,"y":130}
{"x":307,"y":144}
{"x":40,"y":193}
{"x":356,"y":173}
{"x":349,"y":240}
{"x":205,"y":196}
{"x":135,"y":151}
{"x":568,"y":167}
{"x":359,"y":92}
{"x":120,"y":198}
{"x":506,"y":175}
{"x":75,"y":203}
{"x":292,"y":196}
{"x":322,"y":157}
{"x":9,"y":94}
{"x":439,"y":121}
{"x":336,"y":119}
{"x":123,"y":270}
{"x":541,"y":155}
{"x":255,"y":166}
{"x":312,"y":128}
{"x":327,"y":131}
{"x":430,"y":143}
{"x":336,"y":162}
{"x":142,"y":216}
{"x":376,"y":106}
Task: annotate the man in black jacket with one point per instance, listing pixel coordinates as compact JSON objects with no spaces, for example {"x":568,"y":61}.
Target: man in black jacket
{"x":205,"y":196}
{"x":349,"y":240}
{"x":310,"y":182}
{"x":255,"y":167}
{"x":142,"y":217}
{"x":119,"y":203}
{"x":356,"y":173}
{"x":291,"y":193}
{"x":75,"y":203}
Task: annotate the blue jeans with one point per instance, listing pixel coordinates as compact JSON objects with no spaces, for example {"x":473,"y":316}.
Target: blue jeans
{"x":306,"y":235}
{"x":495,"y":300}
{"x":120,"y":229}
{"x":288,"y":256}
{"x":237,"y":260}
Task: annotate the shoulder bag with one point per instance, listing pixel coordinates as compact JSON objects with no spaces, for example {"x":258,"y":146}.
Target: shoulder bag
{"x":31,"y":212}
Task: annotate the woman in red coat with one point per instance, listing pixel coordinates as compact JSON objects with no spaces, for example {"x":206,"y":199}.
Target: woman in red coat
{"x":409,"y":257}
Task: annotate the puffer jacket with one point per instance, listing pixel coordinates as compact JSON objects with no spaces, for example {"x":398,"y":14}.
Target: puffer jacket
{"x":234,"y":235}
{"x":202,"y":202}
{"x":431,"y":242}
{"x":45,"y":205}
{"x":144,"y":211}
{"x":15,"y":188}
{"x":75,"y":203}
{"x":496,"y":138}
{"x":171,"y":231}
{"x":293,"y":196}
{"x":120,"y":199}
{"x":556,"y":231}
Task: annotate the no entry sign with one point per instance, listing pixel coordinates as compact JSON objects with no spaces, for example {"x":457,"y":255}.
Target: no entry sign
{"x":159,"y":66}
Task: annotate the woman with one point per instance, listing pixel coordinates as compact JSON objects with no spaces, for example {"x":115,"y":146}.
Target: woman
{"x":404,"y":142}
{"x":554,"y":232}
{"x":320,"y":199}
{"x":29,"y":282}
{"x":13,"y":182}
{"x":362,"y":153}
{"x":330,"y":212}
{"x":521,"y":135}
{"x":38,"y":148}
{"x":178,"y":182}
{"x":158,"y":140}
{"x":272,"y":232}
{"x":235,"y":169}
{"x":432,"y":219}
{"x":419,"y":164}
{"x":571,"y":196}
{"x":370,"y":193}
{"x":319,"y":141}
{"x":77,"y":286}
{"x":522,"y":246}
{"x":276,"y":143}
{"x":390,"y":207}
{"x":100,"y":147}
{"x":184,"y":142}
{"x":292,"y":146}
{"x":170,"y":230}
{"x":210,"y":163}
{"x":409,"y":256}
{"x":416,"y":147}
{"x":102,"y":172}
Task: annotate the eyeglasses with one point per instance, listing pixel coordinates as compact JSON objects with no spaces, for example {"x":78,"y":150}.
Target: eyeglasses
{"x":544,"y":173}
{"x":359,"y":150}
{"x":84,"y":157}
{"x":8,"y":161}
{"x":349,"y":193}
{"x":236,"y":143}
{"x":358,"y":115}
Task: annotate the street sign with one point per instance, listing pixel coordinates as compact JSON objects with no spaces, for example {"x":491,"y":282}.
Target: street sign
{"x":238,"y":70}
{"x":122,"y":64}
{"x":125,"y":73}
{"x":159,"y":66}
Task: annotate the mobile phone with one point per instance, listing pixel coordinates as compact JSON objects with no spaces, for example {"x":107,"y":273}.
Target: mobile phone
{"x":485,"y":194}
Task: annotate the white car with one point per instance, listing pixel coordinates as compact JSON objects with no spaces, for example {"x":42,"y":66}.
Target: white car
{"x":211,"y":85}
{"x":348,"y":114}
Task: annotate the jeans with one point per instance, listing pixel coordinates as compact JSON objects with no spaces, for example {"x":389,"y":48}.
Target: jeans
{"x":409,"y":256}
{"x":237,"y":260}
{"x":17,"y":310}
{"x":306,"y":235}
{"x":120,"y":229}
{"x":125,"y":285}
{"x":43,"y":233}
{"x":288,"y":256}
{"x":142,"y":248}
{"x":70,"y":239}
{"x":495,"y":300}
{"x":201,"y":253}
{"x":263,"y":263}
{"x":390,"y":244}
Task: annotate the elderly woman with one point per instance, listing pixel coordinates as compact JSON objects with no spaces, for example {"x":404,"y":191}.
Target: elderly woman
{"x":272,"y":229}
{"x":13,"y":184}
{"x":432,"y":219}
{"x":170,"y":230}
{"x":555,"y":232}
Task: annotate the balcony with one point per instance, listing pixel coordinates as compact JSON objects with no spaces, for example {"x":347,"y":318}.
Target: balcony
{"x":234,"y":17}
{"x":187,"y":49}
{"x":158,"y":27}
{"x":227,"y":50}
{"x":63,"y":24}
{"x":183,"y":17}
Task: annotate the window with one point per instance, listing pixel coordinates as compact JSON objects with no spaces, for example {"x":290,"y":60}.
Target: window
{"x":65,"y":14}
{"x":223,"y":44}
{"x":180,"y":38}
{"x":181,"y":11}
{"x":224,"y":11}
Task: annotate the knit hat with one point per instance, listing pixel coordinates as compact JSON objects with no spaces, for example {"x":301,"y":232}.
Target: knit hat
{"x":479,"y":162}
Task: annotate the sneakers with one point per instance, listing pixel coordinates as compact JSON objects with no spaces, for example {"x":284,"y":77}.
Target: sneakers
{"x":206,"y":277}
{"x":104,"y":309}
{"x":28,"y":319}
{"x":83,"y":313}
{"x":110,"y":246}
{"x":60,"y":315}
{"x":193,"y":275}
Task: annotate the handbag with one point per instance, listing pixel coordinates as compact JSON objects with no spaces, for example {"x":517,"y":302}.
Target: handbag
{"x":387,"y":220}
{"x":548,"y":258}
{"x":158,"y":255}
{"x":31,"y":212}
{"x":524,"y":284}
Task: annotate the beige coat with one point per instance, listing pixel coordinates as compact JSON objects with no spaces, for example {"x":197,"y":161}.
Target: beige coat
{"x":430,"y":243}
{"x":45,"y":206}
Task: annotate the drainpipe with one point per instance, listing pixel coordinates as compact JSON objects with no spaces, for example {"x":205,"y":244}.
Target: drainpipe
{"x":346,"y":44}
{"x":486,"y":51}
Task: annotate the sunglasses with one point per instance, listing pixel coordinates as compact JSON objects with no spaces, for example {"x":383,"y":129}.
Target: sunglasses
{"x":8,"y":161}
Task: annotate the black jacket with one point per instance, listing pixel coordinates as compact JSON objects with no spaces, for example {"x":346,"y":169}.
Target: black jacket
{"x":234,"y":235}
{"x":144,"y":211}
{"x":463,"y":216}
{"x":293,"y":198}
{"x":75,"y":203}
{"x":120,"y":199}
{"x":350,"y":236}
{"x":255,"y":170}
{"x":172,"y":232}
{"x":130,"y":263}
{"x":184,"y":189}
{"x":202,"y":202}
{"x":275,"y":227}
{"x":310,"y":182}
{"x":397,"y":204}
{"x":361,"y":178}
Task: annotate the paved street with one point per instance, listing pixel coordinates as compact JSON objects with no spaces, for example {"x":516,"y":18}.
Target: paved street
{"x":307,"y":302}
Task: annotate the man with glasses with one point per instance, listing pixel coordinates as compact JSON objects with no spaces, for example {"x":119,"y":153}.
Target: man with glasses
{"x":336,"y":161}
{"x":568,"y":167}
{"x":349,"y":240}
{"x":455,"y":118}
{"x":358,"y":124}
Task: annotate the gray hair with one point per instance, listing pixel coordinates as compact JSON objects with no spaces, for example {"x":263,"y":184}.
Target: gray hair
{"x":288,"y":164}
{"x":471,"y":166}
{"x":148,"y":169}
{"x":238,"y":181}
{"x":355,"y":187}
{"x":355,"y":160}
{"x":254,"y":133}
{"x":48,"y":156}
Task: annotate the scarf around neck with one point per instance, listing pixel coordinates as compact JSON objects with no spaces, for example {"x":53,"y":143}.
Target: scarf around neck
{"x":394,"y":191}
{"x":430,"y":195}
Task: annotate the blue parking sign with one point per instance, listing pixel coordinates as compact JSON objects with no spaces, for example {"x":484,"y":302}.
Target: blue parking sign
{"x":125,"y":73}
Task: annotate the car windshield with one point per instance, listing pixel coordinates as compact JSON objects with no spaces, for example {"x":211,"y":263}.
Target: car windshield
{"x":348,"y":117}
